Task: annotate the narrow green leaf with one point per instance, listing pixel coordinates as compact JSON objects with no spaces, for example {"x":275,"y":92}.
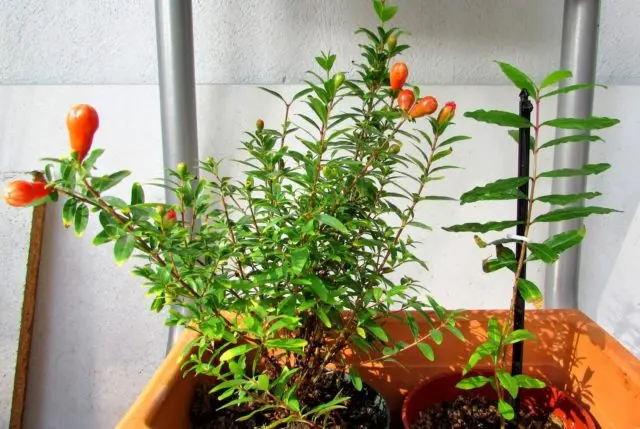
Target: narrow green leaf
{"x":493,"y":331}
{"x":519,"y":335}
{"x":454,"y":139}
{"x":572,"y":213}
{"x":101,"y":238}
{"x":378,"y":332}
{"x":272,"y":92}
{"x":586,"y":170}
{"x":555,"y":77}
{"x":482,"y":227}
{"x":591,"y":123}
{"x":503,"y":189}
{"x":565,"y":240}
{"x":473,"y":382}
{"x":519,"y":78}
{"x":561,"y":200}
{"x":263,"y":382}
{"x":574,"y":138}
{"x":515,"y":135}
{"x":332,"y":222}
{"x":499,"y":117}
{"x":68,"y":212}
{"x":527,"y":382}
{"x":293,"y":344}
{"x":508,"y":382}
{"x":571,"y":88}
{"x":543,"y":252}
{"x":426,"y":350}
{"x":491,"y":265}
{"x":322,"y":315}
{"x":420,"y":225}
{"x":236,"y":351}
{"x":530,"y":292}
{"x":482,"y":351}
{"x":123,"y":248}
{"x":80,"y":219}
{"x":356,"y":380}
{"x":319,"y":288}
{"x":436,"y":336}
{"x":505,"y":410}
{"x":299,"y":259}
{"x":456,"y":332}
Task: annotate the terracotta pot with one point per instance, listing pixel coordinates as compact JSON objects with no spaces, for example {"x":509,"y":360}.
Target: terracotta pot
{"x":443,"y":388}
{"x":572,"y":353}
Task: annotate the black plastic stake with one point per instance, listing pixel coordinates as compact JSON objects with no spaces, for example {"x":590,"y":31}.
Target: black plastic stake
{"x":524,"y":150}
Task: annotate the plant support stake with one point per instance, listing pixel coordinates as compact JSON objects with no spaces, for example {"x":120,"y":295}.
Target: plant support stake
{"x":524,"y":150}
{"x":174,"y":32}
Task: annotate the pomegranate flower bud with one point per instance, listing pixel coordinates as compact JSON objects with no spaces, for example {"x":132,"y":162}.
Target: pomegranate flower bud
{"x":169,"y":220}
{"x":447,"y":112}
{"x":406,"y":99}
{"x":398,"y":75}
{"x":425,"y":106}
{"x":21,"y":193}
{"x":82,"y":123}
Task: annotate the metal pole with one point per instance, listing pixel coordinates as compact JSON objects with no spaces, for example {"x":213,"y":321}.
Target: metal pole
{"x":579,"y":53}
{"x":174,"y":33}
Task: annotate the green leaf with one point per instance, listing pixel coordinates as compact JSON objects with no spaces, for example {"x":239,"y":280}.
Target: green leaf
{"x":299,"y":259}
{"x":456,"y":332}
{"x":499,"y":117}
{"x":508,"y":382}
{"x":332,"y":222}
{"x":388,"y":13}
{"x":482,"y":227}
{"x":572,"y":213}
{"x":356,"y":380}
{"x":263,"y":382}
{"x":574,"y":138}
{"x":80,"y":219}
{"x":527,"y":382}
{"x":378,"y":332}
{"x":68,"y":212}
{"x":436,"y":336}
{"x":420,"y":225}
{"x":570,"y":88}
{"x":89,"y":161}
{"x":319,"y":288}
{"x":519,"y":335}
{"x":561,"y":200}
{"x":426,"y":350}
{"x":515,"y":135}
{"x":482,"y":351}
{"x":123,"y":248}
{"x":107,"y":182}
{"x":322,"y":315}
{"x":530,"y":292}
{"x":586,"y":170}
{"x":555,"y":77}
{"x":505,"y":410}
{"x":519,"y":79}
{"x":591,"y":123}
{"x":236,"y":351}
{"x":473,"y":382}
{"x":565,"y":240}
{"x":503,"y":189}
{"x":543,"y":252}
{"x":293,"y":344}
{"x":454,"y":139}
{"x":493,"y":331}
{"x":275,"y":94}
{"x":102,"y":238}
{"x":137,"y":194}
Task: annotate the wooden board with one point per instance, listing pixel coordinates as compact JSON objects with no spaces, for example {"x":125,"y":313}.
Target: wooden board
{"x":28,"y":316}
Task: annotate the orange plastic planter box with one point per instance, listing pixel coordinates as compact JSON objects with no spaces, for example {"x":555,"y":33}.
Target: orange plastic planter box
{"x":571,"y":353}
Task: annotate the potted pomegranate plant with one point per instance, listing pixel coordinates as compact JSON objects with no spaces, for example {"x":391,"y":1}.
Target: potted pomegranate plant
{"x":496,"y":388}
{"x":286,"y":276}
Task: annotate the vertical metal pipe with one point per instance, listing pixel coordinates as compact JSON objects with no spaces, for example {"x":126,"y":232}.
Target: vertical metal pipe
{"x":174,"y":33}
{"x":579,"y":53}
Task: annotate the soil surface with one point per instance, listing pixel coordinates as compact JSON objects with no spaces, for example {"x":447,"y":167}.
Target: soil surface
{"x":471,"y":412}
{"x":365,"y":409}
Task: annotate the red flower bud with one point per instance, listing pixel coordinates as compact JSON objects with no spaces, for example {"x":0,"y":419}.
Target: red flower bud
{"x":171,"y":214}
{"x":398,"y":75}
{"x":82,"y":123}
{"x":21,"y":193}
{"x":447,"y":112}
{"x":406,"y":99}
{"x":169,"y":219}
{"x":425,"y":106}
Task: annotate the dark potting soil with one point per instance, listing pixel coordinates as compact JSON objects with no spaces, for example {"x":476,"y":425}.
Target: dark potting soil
{"x":365,"y":409}
{"x":471,"y":412}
